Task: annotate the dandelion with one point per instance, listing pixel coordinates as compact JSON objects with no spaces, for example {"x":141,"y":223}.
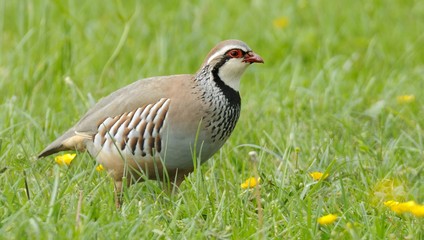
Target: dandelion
{"x":405,"y":206}
{"x":409,"y":206}
{"x":100,"y":168}
{"x":417,"y":210}
{"x":64,"y":159}
{"x":250,"y":183}
{"x":318,"y":175}
{"x":390,"y":203}
{"x":404,"y":99}
{"x":281,"y":22}
{"x":327,"y":219}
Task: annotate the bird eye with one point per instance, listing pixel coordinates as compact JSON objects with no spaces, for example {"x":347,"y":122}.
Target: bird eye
{"x":235,"y":53}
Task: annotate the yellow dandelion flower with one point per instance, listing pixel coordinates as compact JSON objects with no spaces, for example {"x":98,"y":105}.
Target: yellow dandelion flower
{"x":417,"y":210}
{"x":64,"y":159}
{"x":403,"y":99}
{"x":405,"y":206}
{"x":409,"y":206}
{"x":250,"y":183}
{"x":327,"y":219}
{"x":391,"y":203}
{"x":318,"y":175}
{"x":281,"y":22}
{"x":100,"y":168}
{"x":398,"y":207}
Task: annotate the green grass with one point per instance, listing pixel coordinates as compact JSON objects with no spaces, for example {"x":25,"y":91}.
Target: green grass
{"x":328,"y":88}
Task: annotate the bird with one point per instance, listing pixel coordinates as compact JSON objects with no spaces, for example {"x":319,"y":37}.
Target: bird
{"x":157,"y":128}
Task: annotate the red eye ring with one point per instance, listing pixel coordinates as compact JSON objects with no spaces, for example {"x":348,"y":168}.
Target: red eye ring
{"x":235,"y":53}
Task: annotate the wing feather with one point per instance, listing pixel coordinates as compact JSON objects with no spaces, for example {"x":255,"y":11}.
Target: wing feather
{"x":127,"y":99}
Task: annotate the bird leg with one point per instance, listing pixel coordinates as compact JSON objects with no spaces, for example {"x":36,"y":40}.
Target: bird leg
{"x":118,"y":194}
{"x":177,"y":178}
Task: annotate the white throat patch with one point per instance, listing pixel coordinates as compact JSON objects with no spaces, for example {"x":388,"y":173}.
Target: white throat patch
{"x":231,"y":72}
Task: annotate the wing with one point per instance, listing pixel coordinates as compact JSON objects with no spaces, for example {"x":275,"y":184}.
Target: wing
{"x":127,"y":99}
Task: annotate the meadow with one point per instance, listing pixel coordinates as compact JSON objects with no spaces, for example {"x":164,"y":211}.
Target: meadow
{"x":339,"y":94}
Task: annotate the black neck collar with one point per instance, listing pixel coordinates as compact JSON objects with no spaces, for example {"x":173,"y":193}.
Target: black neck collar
{"x":230,"y":93}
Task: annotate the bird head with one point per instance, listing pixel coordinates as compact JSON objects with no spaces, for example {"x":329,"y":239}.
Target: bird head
{"x":229,"y":59}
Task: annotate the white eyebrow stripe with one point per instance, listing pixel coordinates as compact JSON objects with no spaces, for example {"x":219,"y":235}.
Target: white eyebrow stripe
{"x":224,"y":50}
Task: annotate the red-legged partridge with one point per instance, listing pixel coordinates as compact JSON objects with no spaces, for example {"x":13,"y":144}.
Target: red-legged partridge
{"x":152,"y":127}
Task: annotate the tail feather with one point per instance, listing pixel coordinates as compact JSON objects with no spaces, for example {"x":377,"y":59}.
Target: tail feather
{"x":58,"y":145}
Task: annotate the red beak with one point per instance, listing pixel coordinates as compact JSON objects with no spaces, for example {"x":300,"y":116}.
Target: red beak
{"x":252,"y":57}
